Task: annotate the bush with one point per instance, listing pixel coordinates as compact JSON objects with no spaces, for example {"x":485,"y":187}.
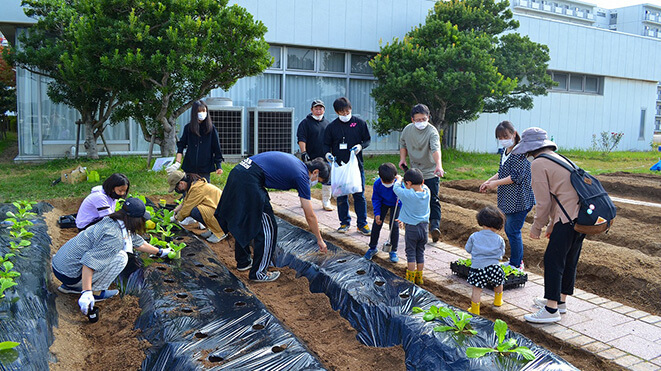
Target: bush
{"x":607,"y":141}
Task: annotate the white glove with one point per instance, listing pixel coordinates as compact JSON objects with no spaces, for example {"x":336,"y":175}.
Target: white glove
{"x":357,"y":148}
{"x":330,"y":158}
{"x":173,"y":219}
{"x":173,"y":167}
{"x":86,"y":301}
{"x":165,"y":252}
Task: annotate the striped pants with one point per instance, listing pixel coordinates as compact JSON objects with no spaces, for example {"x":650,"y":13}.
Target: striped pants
{"x":101,"y":279}
{"x":263,"y":245}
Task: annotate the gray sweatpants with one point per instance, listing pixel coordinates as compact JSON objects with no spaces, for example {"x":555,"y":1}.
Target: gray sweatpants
{"x":101,"y":279}
{"x":416,"y":238}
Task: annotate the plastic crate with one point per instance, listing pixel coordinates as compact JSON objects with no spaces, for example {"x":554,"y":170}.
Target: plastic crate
{"x":511,"y":281}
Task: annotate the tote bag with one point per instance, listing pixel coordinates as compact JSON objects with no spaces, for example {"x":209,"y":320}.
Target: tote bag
{"x":346,"y":179}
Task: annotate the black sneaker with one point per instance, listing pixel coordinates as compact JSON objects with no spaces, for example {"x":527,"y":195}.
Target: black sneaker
{"x":68,"y":290}
{"x":247,"y":267}
{"x":343,"y":228}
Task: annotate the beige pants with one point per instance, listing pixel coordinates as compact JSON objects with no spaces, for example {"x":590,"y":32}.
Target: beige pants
{"x":326,"y":197}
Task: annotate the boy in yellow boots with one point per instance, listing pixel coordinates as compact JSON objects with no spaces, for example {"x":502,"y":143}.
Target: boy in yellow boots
{"x":414,"y":196}
{"x":486,"y":248}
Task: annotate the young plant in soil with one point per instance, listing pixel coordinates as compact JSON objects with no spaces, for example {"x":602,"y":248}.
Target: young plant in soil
{"x":8,"y":271}
{"x":6,"y":283}
{"x":460,"y":321}
{"x":17,"y":225}
{"x":23,"y":233}
{"x":509,"y":270}
{"x":23,"y":210}
{"x":154,"y":241}
{"x":464,"y":262}
{"x":176,"y":248}
{"x":17,"y":246}
{"x":504,"y":347}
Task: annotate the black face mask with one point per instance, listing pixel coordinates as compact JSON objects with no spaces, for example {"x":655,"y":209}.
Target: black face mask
{"x":178,"y":190}
{"x":114,"y":195}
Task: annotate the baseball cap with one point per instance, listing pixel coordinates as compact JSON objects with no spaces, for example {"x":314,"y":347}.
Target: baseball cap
{"x":174,"y":178}
{"x":135,"y":208}
{"x":317,"y":102}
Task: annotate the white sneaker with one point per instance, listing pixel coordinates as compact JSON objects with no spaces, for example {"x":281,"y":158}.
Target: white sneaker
{"x":201,"y":226}
{"x":270,"y":277}
{"x":206,"y":234}
{"x":543,"y":316}
{"x":541,"y":303}
{"x":187,"y":221}
{"x":213,"y":239}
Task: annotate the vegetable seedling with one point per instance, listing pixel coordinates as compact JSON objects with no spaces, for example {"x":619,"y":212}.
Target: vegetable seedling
{"x":8,"y":345}
{"x":504,"y":347}
{"x":23,"y":233}
{"x":6,"y":283}
{"x":460,"y":321}
{"x":15,"y":246}
{"x":509,"y":270}
{"x":156,"y":242}
{"x":176,"y":248}
{"x":18,"y":224}
{"x":464,"y":262}
{"x":7,"y":270}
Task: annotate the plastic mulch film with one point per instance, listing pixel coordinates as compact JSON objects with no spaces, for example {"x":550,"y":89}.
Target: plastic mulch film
{"x":196,"y":314}
{"x":378,"y":305}
{"x":27,"y":312}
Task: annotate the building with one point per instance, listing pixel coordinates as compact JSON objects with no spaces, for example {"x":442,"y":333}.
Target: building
{"x":321,"y":49}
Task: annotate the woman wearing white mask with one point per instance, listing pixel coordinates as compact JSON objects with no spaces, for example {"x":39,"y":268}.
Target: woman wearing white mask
{"x":515,"y":195}
{"x":200,"y":140}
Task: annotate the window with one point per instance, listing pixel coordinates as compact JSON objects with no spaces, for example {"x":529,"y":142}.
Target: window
{"x":591,"y":84}
{"x":331,"y":61}
{"x":641,"y":132}
{"x":561,"y":79}
{"x":277,"y":57}
{"x":657,"y":125}
{"x":601,"y":14}
{"x":300,"y":59}
{"x":360,"y":64}
{"x":577,"y":83}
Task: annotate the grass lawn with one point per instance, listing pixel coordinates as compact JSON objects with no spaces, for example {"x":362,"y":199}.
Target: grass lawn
{"x":33,"y":181}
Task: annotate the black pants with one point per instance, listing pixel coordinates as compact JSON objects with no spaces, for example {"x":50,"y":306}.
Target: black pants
{"x":560,"y":261}
{"x":263,"y":243}
{"x":434,"y":203}
{"x":195,"y":214}
{"x":394,"y":227}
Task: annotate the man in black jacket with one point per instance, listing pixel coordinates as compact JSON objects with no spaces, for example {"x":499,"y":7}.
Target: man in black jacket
{"x":344,"y":135}
{"x":310,"y":136}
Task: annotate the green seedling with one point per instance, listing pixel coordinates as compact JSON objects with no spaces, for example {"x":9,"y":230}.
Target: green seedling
{"x":23,"y":233}
{"x":460,"y":321}
{"x":175,"y":249}
{"x":23,"y":210}
{"x":7,"y":270}
{"x":509,"y":270}
{"x":165,"y":232}
{"x":15,"y":246}
{"x":157,"y":243}
{"x":464,"y":262}
{"x":24,"y":204}
{"x":18,"y":224}
{"x":6,"y":283}
{"x":8,"y":345}
{"x":504,"y":347}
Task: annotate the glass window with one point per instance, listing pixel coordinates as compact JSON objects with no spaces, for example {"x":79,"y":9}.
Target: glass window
{"x":657,"y":125}
{"x":360,"y":64}
{"x":302,"y":90}
{"x":27,"y":90}
{"x":641,"y":132}
{"x":561,"y":79}
{"x":331,"y":61}
{"x":576,"y":82}
{"x":591,"y":84}
{"x":300,"y":59}
{"x":277,"y":58}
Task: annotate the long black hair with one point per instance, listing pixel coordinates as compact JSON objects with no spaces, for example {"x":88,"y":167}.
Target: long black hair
{"x":205,"y":124}
{"x":113,"y":181}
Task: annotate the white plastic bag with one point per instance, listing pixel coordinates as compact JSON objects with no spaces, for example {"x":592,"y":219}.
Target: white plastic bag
{"x":346,"y":179}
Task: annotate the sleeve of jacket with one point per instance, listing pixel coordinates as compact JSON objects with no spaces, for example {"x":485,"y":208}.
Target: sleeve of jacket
{"x":469,"y":244}
{"x":328,"y":139}
{"x":376,"y":198}
{"x":519,"y":166}
{"x":183,"y":141}
{"x":302,"y":132}
{"x":215,"y":147}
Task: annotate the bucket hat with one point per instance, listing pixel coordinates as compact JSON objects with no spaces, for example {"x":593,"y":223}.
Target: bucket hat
{"x":533,"y":139}
{"x":174,"y":178}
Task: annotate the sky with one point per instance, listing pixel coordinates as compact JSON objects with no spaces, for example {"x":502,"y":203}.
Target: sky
{"x":611,"y":4}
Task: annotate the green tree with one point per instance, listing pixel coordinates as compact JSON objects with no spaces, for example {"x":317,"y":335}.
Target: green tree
{"x":463,"y":61}
{"x":180,"y":50}
{"x":7,"y":87}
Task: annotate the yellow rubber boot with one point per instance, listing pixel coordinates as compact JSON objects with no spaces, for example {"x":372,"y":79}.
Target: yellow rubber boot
{"x":475,"y":308}
{"x":498,"y":299}
{"x":418,"y":278}
{"x":410,"y":276}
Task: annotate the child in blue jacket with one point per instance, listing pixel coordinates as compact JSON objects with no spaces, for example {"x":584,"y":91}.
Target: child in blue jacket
{"x":384,"y":202}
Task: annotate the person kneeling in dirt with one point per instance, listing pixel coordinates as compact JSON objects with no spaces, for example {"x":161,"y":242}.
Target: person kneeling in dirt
{"x":245,"y":211}
{"x":200,"y":202}
{"x":95,"y":257}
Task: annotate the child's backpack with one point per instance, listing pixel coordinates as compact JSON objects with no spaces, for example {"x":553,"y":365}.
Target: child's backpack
{"x":597,"y":211}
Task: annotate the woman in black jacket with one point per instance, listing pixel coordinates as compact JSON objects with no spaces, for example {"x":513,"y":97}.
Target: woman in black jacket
{"x":200,"y":139}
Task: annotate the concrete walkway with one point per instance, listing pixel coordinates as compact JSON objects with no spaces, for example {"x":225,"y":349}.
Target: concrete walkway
{"x":627,"y":336}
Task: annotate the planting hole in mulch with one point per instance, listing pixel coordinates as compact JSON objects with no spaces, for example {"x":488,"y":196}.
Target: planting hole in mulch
{"x":190,"y":254}
{"x":404,"y":295}
{"x":342,"y":261}
{"x":239,"y":304}
{"x":216,"y":359}
{"x":360,"y":272}
{"x":201,"y":335}
{"x":278,"y":348}
{"x":199,"y":265}
{"x":229,"y":289}
{"x":379,"y":283}
{"x":168,"y":280}
{"x":213,"y":276}
{"x":182,"y":295}
{"x":258,"y":327}
{"x":187,"y":310}
{"x":162,"y":268}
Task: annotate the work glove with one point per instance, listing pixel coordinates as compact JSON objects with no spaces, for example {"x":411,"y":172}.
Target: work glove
{"x":173,"y":219}
{"x":356,"y":149}
{"x":164,"y":252}
{"x":86,"y":301}
{"x":305,"y":157}
{"x":173,"y":167}
{"x":330,"y":158}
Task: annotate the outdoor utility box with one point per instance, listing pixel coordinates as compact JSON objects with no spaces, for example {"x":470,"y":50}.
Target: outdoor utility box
{"x":271,"y":127}
{"x":75,"y":175}
{"x":228,"y":121}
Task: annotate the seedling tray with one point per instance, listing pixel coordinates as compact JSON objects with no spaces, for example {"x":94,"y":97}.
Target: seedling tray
{"x":511,"y":282}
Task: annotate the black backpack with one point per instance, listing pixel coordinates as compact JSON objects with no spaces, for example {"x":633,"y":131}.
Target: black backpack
{"x":597,"y":211}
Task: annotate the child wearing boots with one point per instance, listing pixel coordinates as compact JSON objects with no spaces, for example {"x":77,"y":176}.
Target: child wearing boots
{"x":414,"y":196}
{"x":486,"y":248}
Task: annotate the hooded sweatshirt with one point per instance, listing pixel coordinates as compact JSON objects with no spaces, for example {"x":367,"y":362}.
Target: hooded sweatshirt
{"x":94,"y":207}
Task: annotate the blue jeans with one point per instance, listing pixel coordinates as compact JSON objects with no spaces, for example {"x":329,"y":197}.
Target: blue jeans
{"x":359,"y":205}
{"x":513,"y":225}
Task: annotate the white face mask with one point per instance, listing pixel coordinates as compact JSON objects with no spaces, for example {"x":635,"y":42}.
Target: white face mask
{"x":345,"y":118}
{"x":388,"y":185}
{"x":318,"y":118}
{"x":530,"y":158}
{"x":421,"y":125}
{"x":313,"y":183}
{"x":506,"y":143}
{"x":201,"y":115}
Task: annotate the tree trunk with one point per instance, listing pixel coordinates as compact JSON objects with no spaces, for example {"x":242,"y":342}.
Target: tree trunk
{"x":90,"y":141}
{"x":169,"y":144}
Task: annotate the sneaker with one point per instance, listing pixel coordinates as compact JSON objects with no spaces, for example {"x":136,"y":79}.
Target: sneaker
{"x":105,"y":294}
{"x":343,"y":228}
{"x":213,"y":238}
{"x":328,"y":206}
{"x":370,"y":253}
{"x":187,"y":221}
{"x":206,"y":234}
{"x":541,"y":303}
{"x":247,"y":267}
{"x":365,"y":230}
{"x":68,"y":290}
{"x":519,"y":268}
{"x":270,"y":277}
{"x":543,"y":316}
{"x":435,"y":235}
{"x":201,"y":226}
{"x":393,"y":257}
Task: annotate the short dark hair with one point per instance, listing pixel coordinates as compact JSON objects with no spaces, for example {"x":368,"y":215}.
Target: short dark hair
{"x":420,"y":108}
{"x":491,"y":217}
{"x":387,"y":172}
{"x":321,"y":165}
{"x":507,"y":127}
{"x":414,"y":176}
{"x":116,"y":180}
{"x":341,"y":104}
{"x":133,"y":225}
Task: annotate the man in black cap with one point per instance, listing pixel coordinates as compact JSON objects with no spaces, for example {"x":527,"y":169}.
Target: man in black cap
{"x":310,"y":136}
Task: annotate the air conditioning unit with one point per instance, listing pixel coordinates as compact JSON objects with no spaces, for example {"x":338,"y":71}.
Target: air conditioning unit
{"x":270,"y":127}
{"x":228,"y":120}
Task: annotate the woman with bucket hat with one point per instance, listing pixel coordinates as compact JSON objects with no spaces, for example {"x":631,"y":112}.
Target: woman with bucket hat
{"x":564,"y":248}
{"x":96,"y":256}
